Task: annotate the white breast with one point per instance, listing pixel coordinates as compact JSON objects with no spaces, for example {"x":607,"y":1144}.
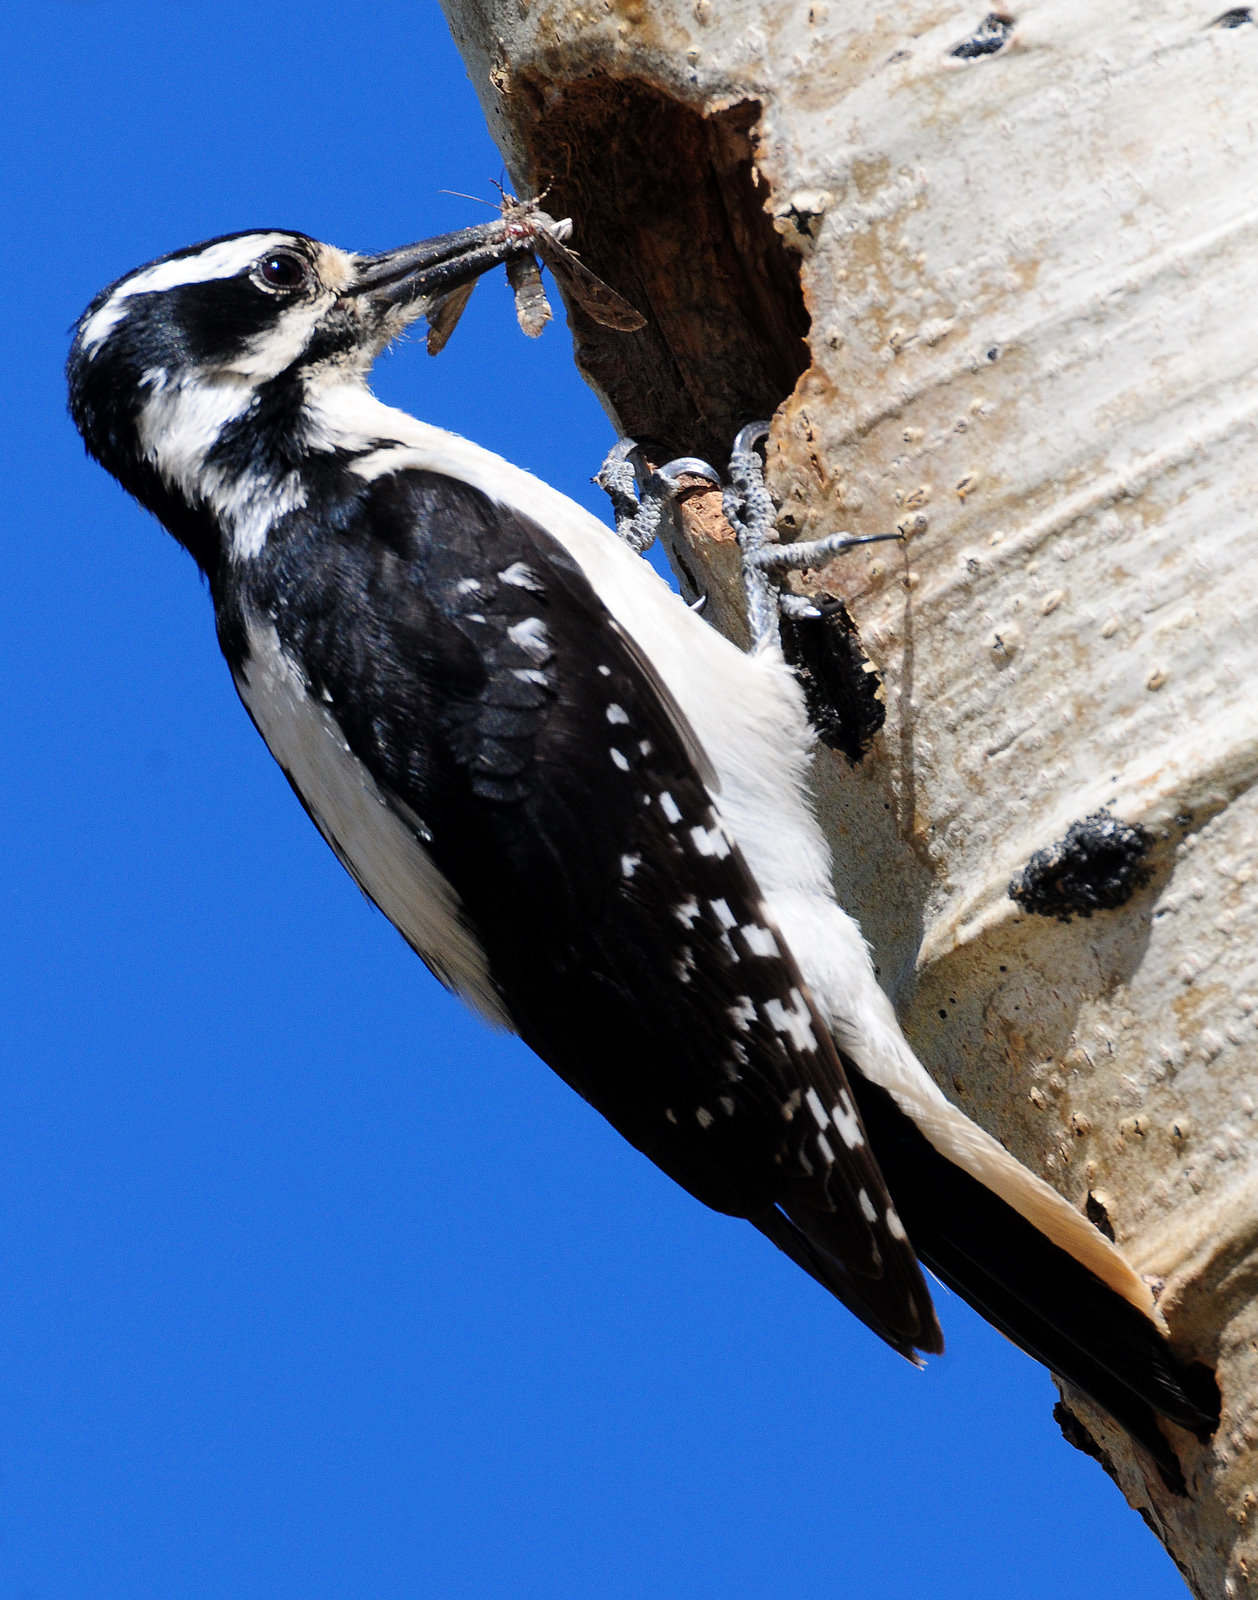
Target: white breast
{"x":377,"y":843}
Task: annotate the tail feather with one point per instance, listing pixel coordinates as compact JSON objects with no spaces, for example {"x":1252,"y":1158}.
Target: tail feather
{"x":802,"y":1235}
{"x":1061,"y":1351}
{"x":1039,"y":1295}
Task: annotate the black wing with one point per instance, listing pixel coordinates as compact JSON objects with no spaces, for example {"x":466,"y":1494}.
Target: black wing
{"x":475,"y":672}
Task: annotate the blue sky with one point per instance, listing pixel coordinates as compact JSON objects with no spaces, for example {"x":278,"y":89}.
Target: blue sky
{"x":310,"y":1288}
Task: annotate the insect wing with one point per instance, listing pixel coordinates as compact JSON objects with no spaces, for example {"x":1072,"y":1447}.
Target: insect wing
{"x":588,"y":290}
{"x":443,"y":316}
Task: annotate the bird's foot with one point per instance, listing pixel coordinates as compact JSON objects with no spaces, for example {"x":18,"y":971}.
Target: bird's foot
{"x":639,"y":496}
{"x":750,"y":511}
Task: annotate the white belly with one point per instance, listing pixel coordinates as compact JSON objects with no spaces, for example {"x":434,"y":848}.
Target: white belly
{"x":383,"y":852}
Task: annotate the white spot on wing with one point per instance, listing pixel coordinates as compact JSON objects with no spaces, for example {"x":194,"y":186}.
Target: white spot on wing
{"x":704,"y":1117}
{"x":629,"y":865}
{"x":817,"y":1109}
{"x":531,"y":637}
{"x":687,"y":912}
{"x":669,"y":807}
{"x":794,"y":1020}
{"x":530,"y":675}
{"x":742,"y":1013}
{"x":867,"y":1207}
{"x":617,"y":713}
{"x":710,"y":842}
{"x":759,"y":941}
{"x":723,"y":914}
{"x":823,"y":1144}
{"x":894,"y":1226}
{"x":467,"y":585}
{"x":620,"y":759}
{"x":848,"y":1123}
{"x":522,"y":576}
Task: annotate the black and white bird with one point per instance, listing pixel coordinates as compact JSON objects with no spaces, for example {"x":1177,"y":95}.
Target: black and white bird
{"x":583,"y":808}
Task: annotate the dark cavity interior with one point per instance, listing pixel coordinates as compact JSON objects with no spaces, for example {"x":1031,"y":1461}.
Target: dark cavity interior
{"x":672,"y":217}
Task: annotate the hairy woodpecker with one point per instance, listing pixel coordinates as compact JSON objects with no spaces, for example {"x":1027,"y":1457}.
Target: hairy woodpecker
{"x":583,"y":808}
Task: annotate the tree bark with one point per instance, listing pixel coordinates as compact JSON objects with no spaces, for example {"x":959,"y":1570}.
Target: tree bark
{"x":993,"y":278}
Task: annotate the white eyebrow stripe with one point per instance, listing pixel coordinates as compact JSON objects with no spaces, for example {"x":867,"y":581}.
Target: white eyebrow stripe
{"x":222,"y":260}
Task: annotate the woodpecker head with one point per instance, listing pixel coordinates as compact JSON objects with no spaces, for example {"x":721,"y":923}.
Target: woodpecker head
{"x":190,"y":378}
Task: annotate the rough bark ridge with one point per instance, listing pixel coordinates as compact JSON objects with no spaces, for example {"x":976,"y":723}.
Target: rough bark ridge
{"x":993,"y":273}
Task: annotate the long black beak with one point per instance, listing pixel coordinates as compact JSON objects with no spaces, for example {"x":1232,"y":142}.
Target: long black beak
{"x":435,"y":267}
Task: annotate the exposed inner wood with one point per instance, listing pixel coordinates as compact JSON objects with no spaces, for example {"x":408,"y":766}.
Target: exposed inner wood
{"x":670,"y":212}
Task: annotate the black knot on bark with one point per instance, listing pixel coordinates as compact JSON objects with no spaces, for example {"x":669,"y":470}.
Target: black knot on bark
{"x":1098,"y":866}
{"x":991,"y":35}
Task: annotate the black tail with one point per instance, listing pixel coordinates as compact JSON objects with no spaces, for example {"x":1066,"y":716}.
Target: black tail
{"x":1040,"y":1297}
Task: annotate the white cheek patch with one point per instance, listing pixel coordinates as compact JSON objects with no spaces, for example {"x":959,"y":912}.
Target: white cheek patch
{"x":222,"y":260}
{"x":179,"y":425}
{"x":275,"y":350}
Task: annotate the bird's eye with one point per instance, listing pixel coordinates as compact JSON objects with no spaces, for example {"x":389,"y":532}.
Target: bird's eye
{"x":283,"y":270}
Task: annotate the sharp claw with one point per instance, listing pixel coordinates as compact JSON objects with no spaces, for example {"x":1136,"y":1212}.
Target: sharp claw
{"x":749,"y":437}
{"x":697,"y":605}
{"x":622,"y":449}
{"x":795,"y":605}
{"x":684,"y":466}
{"x":623,"y":453}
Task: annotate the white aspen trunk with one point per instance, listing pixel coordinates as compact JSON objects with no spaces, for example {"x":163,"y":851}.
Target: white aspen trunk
{"x":1005,"y":300}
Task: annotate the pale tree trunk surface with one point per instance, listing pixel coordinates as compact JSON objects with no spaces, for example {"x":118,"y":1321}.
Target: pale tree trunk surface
{"x":1005,"y":300}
